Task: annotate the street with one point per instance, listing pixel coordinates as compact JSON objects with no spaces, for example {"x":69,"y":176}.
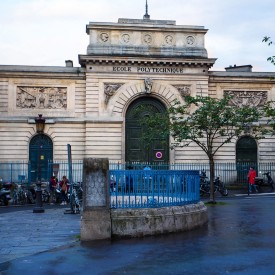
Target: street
{"x":238,"y":239}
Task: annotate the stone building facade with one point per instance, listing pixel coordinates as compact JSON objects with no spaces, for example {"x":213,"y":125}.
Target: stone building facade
{"x":128,"y":63}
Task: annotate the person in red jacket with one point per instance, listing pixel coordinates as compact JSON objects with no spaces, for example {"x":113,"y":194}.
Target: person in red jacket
{"x":251,"y":179}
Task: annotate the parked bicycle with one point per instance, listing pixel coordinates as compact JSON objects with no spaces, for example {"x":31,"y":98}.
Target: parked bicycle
{"x":265,"y":179}
{"x":76,"y":197}
{"x":205,"y":185}
{"x":5,"y":193}
{"x":220,"y":186}
{"x":45,"y":195}
{"x":21,"y":195}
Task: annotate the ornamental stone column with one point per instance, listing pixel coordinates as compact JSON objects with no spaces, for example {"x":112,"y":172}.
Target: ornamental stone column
{"x":96,"y":218}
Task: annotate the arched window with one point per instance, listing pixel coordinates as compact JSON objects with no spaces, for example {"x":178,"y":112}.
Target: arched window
{"x":246,"y":150}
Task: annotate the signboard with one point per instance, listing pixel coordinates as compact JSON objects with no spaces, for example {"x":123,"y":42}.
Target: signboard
{"x":158,"y":155}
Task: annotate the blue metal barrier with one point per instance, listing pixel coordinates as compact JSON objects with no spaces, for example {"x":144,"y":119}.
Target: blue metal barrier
{"x":14,"y":171}
{"x":154,"y":188}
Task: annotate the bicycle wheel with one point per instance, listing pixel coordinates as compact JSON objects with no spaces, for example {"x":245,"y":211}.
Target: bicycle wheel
{"x":15,"y":198}
{"x":224,"y":192}
{"x":30,"y":198}
{"x":75,"y":204}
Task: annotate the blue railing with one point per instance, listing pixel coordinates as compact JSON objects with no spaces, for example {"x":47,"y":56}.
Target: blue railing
{"x":153,"y":188}
{"x":231,"y":173}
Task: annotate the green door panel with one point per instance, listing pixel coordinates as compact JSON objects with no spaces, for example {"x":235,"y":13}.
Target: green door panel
{"x":40,"y":152}
{"x":136,"y":149}
{"x":246,"y":156}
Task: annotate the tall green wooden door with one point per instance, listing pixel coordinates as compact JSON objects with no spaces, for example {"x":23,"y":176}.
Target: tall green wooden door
{"x":40,"y":152}
{"x":136,"y":149}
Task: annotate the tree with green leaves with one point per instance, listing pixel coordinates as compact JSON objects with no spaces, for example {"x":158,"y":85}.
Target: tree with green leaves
{"x":269,"y":42}
{"x":269,"y":110}
{"x":208,"y":122}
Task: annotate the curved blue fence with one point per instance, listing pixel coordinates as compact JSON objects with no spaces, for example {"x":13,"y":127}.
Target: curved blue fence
{"x":153,"y":188}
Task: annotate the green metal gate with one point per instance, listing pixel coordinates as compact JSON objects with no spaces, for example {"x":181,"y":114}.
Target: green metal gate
{"x":246,"y":156}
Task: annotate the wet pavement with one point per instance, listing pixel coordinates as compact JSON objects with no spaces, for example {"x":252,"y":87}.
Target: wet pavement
{"x":238,"y":239}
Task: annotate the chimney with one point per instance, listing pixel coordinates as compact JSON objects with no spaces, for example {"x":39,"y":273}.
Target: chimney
{"x":69,"y":63}
{"x":243,"y":68}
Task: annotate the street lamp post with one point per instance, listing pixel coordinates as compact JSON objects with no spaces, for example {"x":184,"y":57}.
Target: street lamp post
{"x":40,"y":124}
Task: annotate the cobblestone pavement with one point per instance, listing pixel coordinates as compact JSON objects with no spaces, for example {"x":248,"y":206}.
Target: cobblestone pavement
{"x":24,"y":233}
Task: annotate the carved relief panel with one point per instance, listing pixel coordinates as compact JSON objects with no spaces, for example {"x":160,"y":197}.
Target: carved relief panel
{"x":104,"y":37}
{"x":125,"y":38}
{"x":190,"y":41}
{"x":110,"y":89}
{"x":147,"y":38}
{"x":184,"y":90}
{"x":29,"y":97}
{"x":247,"y":98}
{"x":168,"y":40}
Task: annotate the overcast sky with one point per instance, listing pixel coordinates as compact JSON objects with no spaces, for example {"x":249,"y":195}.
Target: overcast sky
{"x":48,"y":32}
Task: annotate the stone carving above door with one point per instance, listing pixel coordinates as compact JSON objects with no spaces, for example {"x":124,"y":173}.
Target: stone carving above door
{"x":184,"y":90}
{"x":148,"y":84}
{"x":110,"y":89}
{"x":29,"y":97}
{"x":247,"y":98}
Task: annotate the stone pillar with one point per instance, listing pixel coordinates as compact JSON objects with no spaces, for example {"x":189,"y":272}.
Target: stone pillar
{"x":96,"y":217}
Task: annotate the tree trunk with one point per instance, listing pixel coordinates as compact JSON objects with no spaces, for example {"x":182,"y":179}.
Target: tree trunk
{"x":212,"y":175}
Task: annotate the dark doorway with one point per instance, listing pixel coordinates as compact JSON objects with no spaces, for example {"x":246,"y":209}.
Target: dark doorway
{"x":40,"y":152}
{"x":246,"y":156}
{"x":136,"y":149}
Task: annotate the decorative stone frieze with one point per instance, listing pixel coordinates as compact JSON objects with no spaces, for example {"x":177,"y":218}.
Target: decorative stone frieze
{"x":29,"y":97}
{"x":146,"y":38}
{"x":110,"y":89}
{"x":184,"y":90}
{"x":247,"y":98}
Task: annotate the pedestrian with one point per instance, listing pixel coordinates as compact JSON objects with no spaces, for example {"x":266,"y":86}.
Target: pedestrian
{"x":64,"y":190}
{"x":251,"y":179}
{"x":52,"y":186}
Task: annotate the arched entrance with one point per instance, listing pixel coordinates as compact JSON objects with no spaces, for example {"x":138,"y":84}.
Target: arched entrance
{"x":136,"y":149}
{"x":40,"y":152}
{"x":246,"y":156}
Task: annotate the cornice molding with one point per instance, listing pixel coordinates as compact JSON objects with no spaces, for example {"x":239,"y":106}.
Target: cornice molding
{"x":111,"y":60}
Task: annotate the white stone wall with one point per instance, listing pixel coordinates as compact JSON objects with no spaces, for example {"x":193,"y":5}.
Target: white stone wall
{"x":219,"y":82}
{"x":105,"y":136}
{"x":63,"y":126}
{"x":3,"y":96}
